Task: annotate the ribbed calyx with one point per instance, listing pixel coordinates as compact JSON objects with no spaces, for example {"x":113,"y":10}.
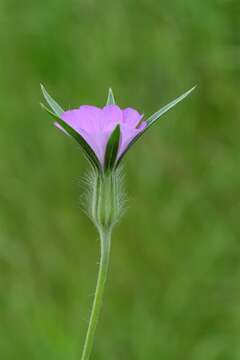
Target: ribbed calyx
{"x":104,"y":200}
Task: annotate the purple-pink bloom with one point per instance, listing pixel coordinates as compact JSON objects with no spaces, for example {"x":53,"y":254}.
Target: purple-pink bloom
{"x":96,"y":125}
{"x":104,"y":134}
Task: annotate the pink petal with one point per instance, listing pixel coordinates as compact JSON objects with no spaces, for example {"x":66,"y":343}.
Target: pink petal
{"x":131,"y":117}
{"x":112,"y":115}
{"x":86,"y":117}
{"x":127,"y":135}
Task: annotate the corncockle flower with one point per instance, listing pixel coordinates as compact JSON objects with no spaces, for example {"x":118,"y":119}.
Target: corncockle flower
{"x":96,"y":125}
{"x":105,"y":135}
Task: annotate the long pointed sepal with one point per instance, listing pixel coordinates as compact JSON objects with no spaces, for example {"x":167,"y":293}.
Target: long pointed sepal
{"x":87,"y":150}
{"x":152,"y":119}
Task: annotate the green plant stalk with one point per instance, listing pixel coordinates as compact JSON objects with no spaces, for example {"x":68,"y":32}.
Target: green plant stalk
{"x":105,"y":239}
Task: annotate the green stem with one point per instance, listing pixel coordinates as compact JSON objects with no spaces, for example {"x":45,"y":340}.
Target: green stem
{"x":105,"y":237}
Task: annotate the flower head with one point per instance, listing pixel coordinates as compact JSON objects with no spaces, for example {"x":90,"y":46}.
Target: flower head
{"x":96,"y":125}
{"x":105,"y":134}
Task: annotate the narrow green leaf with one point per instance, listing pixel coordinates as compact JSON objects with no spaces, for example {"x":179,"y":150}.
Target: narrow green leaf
{"x":110,"y":99}
{"x":112,"y":149}
{"x":51,"y":102}
{"x":151,"y":120}
{"x":87,"y":150}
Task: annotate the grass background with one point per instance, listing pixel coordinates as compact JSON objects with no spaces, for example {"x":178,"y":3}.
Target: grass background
{"x":173,"y":291}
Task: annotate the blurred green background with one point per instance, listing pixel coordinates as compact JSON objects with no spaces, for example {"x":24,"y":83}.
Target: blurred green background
{"x":173,"y":291}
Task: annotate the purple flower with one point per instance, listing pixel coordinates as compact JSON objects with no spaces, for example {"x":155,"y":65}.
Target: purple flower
{"x":96,"y":125}
{"x":104,"y":134}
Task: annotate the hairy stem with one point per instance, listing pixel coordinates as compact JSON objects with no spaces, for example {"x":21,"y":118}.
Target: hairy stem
{"x":105,"y":238}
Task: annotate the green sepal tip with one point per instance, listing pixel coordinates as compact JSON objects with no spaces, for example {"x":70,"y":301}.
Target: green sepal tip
{"x":51,"y":102}
{"x":110,"y":99}
{"x":151,"y":120}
